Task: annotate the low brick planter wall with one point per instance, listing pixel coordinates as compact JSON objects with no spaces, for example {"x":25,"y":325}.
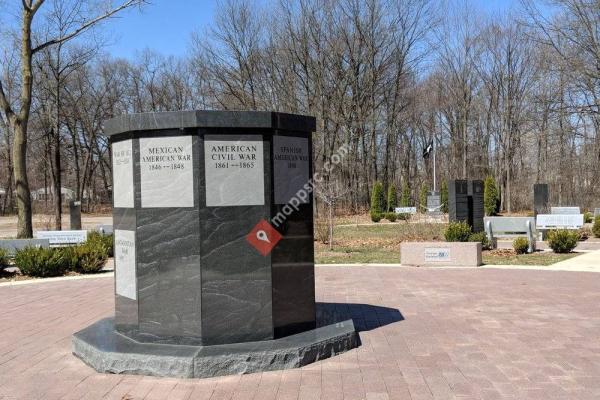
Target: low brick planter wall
{"x":456,"y":254}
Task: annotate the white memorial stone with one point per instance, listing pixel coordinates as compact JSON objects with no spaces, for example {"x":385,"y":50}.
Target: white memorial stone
{"x":166,"y":172}
{"x":437,"y":254}
{"x":405,"y":210}
{"x":234,"y":170}
{"x":62,"y":238}
{"x":125,"y":264}
{"x":291,"y":167}
{"x":560,"y":221}
{"x":122,"y":165}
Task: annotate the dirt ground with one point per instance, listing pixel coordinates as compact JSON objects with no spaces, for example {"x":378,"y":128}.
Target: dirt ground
{"x":41,"y":222}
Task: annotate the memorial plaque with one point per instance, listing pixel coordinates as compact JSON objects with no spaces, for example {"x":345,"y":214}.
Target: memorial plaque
{"x":234,"y":170}
{"x":122,"y":166}
{"x":166,"y":172}
{"x":291,"y":167}
{"x":125,"y":264}
{"x":560,"y":221}
{"x":437,"y":254}
{"x":405,"y":210}
{"x":62,"y":238}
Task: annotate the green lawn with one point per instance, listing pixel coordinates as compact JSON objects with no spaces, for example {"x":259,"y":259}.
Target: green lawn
{"x":380,"y":244}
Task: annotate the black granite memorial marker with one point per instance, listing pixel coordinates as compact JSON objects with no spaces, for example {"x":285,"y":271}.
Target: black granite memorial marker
{"x":476,"y":209}
{"x":458,"y":200}
{"x":541,"y":199}
{"x":203,"y":255}
{"x":75,"y":214}
{"x":465,"y":202}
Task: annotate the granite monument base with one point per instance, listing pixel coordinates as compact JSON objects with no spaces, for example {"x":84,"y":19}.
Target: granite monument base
{"x":104,"y":349}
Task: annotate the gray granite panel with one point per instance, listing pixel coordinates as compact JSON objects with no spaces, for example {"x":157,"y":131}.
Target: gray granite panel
{"x":236,"y":278}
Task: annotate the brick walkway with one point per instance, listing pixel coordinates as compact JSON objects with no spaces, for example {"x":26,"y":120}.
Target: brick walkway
{"x":462,"y":334}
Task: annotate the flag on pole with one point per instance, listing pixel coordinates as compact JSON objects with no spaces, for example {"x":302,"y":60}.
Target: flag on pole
{"x":428,"y":149}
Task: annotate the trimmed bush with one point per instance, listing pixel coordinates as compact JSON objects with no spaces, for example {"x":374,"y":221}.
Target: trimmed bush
{"x":405,"y":200}
{"x":490,"y":196}
{"x":457,"y":232}
{"x":41,"y":262}
{"x":596,"y":227}
{"x":482,"y":238}
{"x":403,"y":216}
{"x":521,"y":245}
{"x":3,"y":258}
{"x":377,"y":199}
{"x":588,"y":217}
{"x":375,"y":216}
{"x":92,"y":257}
{"x":391,"y":216}
{"x":100,"y":239}
{"x":562,"y":240}
{"x":392,"y":198}
{"x":444,"y":197}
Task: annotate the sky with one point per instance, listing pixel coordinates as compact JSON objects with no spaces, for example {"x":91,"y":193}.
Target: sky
{"x":166,"y":25}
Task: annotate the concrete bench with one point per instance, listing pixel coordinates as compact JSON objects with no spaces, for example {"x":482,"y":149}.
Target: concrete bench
{"x":510,"y":227}
{"x":12,"y":245}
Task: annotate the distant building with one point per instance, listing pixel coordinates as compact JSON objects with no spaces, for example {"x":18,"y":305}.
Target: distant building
{"x":45,"y":194}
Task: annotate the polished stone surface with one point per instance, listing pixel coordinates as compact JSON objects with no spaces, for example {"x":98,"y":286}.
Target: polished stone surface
{"x":541,"y":199}
{"x":198,"y":280}
{"x":209,"y":119}
{"x":476,"y":208}
{"x":458,"y":200}
{"x":105,"y":350}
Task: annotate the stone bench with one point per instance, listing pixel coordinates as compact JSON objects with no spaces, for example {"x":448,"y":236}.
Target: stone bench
{"x":455,"y":254}
{"x":12,"y":245}
{"x":510,"y":227}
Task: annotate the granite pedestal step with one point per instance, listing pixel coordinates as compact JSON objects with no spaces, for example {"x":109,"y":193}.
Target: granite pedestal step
{"x":106,"y":350}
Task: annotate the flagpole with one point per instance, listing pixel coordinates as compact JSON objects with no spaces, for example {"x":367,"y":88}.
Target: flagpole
{"x":434,"y":186}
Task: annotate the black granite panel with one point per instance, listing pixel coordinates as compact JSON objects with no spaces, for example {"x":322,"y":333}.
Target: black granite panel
{"x":209,"y":119}
{"x":476,"y":208}
{"x":293,"y":267}
{"x":541,"y":199}
{"x":168,"y":266}
{"x":169,"y":273}
{"x":75,"y":214}
{"x":458,"y":201}
{"x":236,"y":278}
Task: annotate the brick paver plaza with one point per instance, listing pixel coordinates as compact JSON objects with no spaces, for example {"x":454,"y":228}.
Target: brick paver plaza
{"x":426,"y":334}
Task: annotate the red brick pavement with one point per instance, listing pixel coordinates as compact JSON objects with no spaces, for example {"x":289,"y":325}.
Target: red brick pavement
{"x":466,"y":334}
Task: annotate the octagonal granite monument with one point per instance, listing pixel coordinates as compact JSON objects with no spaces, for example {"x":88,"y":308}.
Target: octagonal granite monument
{"x":214,"y":258}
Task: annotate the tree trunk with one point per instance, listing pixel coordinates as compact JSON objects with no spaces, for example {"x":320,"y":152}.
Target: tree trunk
{"x":24,"y":224}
